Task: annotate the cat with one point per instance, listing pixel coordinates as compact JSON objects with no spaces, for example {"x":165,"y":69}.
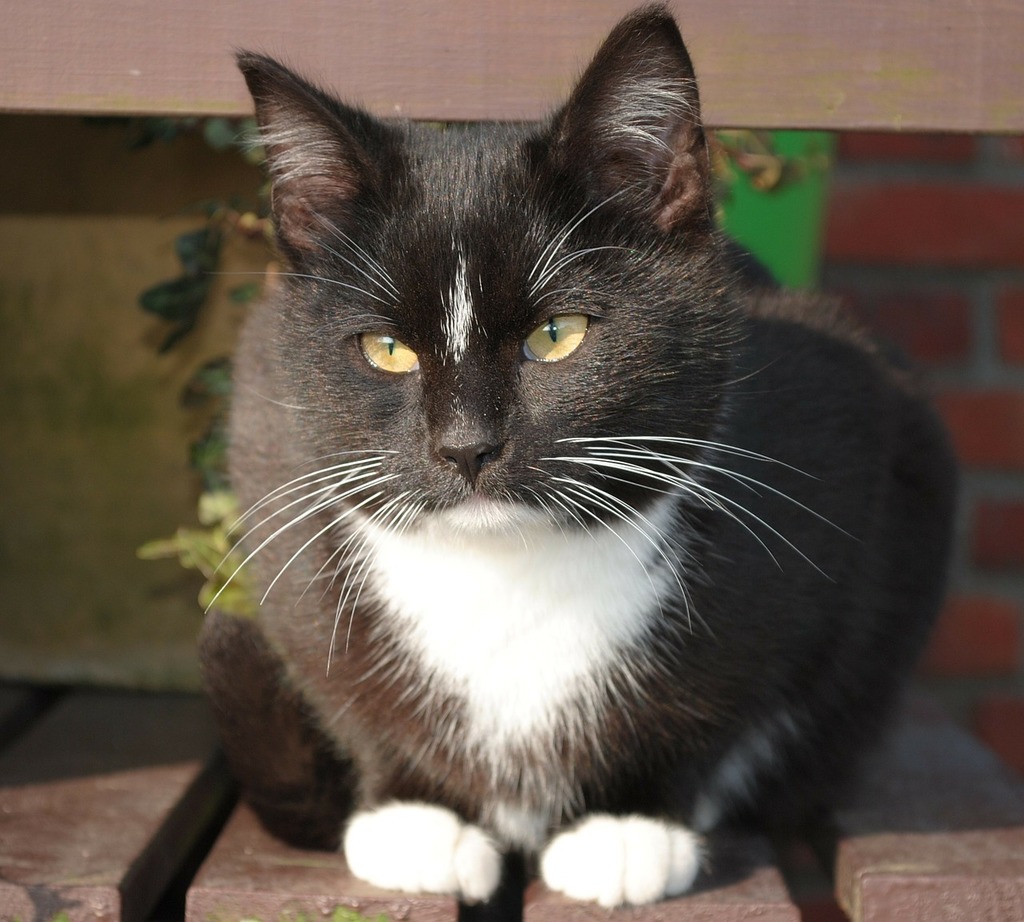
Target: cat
{"x":570,"y":542}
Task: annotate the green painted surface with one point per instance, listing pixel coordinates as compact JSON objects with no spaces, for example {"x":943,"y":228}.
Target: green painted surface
{"x":783,"y":226}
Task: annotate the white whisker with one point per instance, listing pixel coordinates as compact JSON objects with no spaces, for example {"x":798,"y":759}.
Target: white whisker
{"x":626,"y":514}
{"x":332,"y":499}
{"x":619,"y":454}
{"x":335,"y":282}
{"x":707,"y":496}
{"x":328,"y":496}
{"x":395,"y":516}
{"x":743,"y":480}
{"x":338,"y":475}
{"x":358,"y":575}
{"x":722,"y":447}
{"x":552,"y":271}
{"x":540,"y":274}
{"x":333,"y":523}
{"x":319,"y":506}
{"x":379,"y":275}
{"x":278,"y":403}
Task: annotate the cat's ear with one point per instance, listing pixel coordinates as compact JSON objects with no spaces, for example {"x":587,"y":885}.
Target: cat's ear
{"x":321,"y":154}
{"x":632,"y":125}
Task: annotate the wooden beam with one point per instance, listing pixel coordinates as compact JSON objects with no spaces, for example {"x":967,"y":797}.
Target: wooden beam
{"x":916,"y":64}
{"x":251,"y":875}
{"x":742,"y":883}
{"x":936,"y":830}
{"x":99,"y":803}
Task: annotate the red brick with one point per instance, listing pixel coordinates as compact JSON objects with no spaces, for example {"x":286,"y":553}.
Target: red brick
{"x":999,"y":722}
{"x":997,"y":537}
{"x":931,"y":327}
{"x":862,"y":146}
{"x":926,"y":224}
{"x":987,"y":427}
{"x":975,"y":636}
{"x":1010,"y":312}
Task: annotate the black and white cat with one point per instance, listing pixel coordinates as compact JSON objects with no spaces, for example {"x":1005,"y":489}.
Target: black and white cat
{"x":570,"y":544}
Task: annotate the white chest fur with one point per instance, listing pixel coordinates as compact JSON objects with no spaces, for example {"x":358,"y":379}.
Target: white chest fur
{"x":524,"y":624}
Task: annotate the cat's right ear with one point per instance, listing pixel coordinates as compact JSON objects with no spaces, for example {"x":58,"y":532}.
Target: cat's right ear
{"x":320,"y":153}
{"x":632,"y":127}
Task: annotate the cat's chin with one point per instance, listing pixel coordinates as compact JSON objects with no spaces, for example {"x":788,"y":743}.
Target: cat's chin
{"x":480,"y":515}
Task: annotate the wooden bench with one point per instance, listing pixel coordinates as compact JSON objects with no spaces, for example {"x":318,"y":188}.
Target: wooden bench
{"x":116,"y":806}
{"x":927,"y":65}
{"x":113,"y":807}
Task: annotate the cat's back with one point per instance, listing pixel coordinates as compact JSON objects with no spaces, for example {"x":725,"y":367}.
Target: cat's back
{"x":861,"y":465}
{"x":807,"y":343}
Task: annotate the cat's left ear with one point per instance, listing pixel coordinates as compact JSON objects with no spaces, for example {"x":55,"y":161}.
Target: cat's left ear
{"x":632,"y":126}
{"x":324,"y":158}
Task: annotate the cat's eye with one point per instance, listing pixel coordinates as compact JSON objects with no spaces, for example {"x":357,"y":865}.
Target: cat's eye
{"x":388,"y":354}
{"x":557,"y":338}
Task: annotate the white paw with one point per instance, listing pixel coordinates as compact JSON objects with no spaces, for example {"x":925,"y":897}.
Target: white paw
{"x":616,"y":860}
{"x":422,"y":849}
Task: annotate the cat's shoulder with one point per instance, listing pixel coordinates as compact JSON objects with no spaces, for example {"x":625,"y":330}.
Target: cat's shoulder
{"x":811,"y":310}
{"x":811,"y":320}
{"x":825,"y":335}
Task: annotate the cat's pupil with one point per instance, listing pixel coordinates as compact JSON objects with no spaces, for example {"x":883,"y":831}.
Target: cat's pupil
{"x":389,"y":341}
{"x":552,"y":329}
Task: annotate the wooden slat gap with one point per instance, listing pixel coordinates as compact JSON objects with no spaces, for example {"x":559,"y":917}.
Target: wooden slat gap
{"x":20,"y":707}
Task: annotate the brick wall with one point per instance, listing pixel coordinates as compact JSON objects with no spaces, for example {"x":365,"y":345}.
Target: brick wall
{"x":925,"y":241}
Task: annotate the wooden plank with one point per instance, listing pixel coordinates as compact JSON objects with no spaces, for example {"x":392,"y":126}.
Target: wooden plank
{"x":100,"y":801}
{"x":915,"y":65}
{"x":744,"y":885}
{"x":253,"y":876}
{"x":936,"y":833}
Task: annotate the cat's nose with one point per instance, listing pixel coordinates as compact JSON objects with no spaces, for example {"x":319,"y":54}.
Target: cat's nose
{"x":469,"y":459}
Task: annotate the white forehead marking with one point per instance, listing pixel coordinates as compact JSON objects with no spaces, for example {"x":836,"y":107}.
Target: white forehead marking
{"x":458,"y":308}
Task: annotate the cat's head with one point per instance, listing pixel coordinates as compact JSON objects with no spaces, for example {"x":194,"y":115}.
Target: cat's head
{"x":502,"y":324}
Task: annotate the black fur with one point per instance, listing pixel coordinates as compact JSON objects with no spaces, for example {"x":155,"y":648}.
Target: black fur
{"x":812,"y":602}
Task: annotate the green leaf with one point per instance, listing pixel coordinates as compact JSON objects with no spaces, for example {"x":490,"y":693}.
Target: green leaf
{"x":231,"y":599}
{"x":177,"y":300}
{"x":249,"y":140}
{"x":158,"y":549}
{"x":218,"y":507}
{"x":180,"y":300}
{"x":220,"y":133}
{"x":210,"y":381}
{"x":152,"y":130}
{"x":208,"y":455}
{"x":243,"y":294}
{"x":199,"y":250}
{"x":210,"y":550}
{"x":176,"y":335}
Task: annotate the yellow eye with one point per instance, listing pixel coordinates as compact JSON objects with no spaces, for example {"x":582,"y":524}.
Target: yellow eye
{"x":556,"y":339}
{"x":388,"y":354}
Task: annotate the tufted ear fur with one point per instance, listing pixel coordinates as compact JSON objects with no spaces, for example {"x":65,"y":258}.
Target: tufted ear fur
{"x":324,"y":158}
{"x":633,"y":124}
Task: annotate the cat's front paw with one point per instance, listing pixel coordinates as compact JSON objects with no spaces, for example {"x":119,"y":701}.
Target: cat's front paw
{"x":614,"y":860}
{"x":422,"y":848}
